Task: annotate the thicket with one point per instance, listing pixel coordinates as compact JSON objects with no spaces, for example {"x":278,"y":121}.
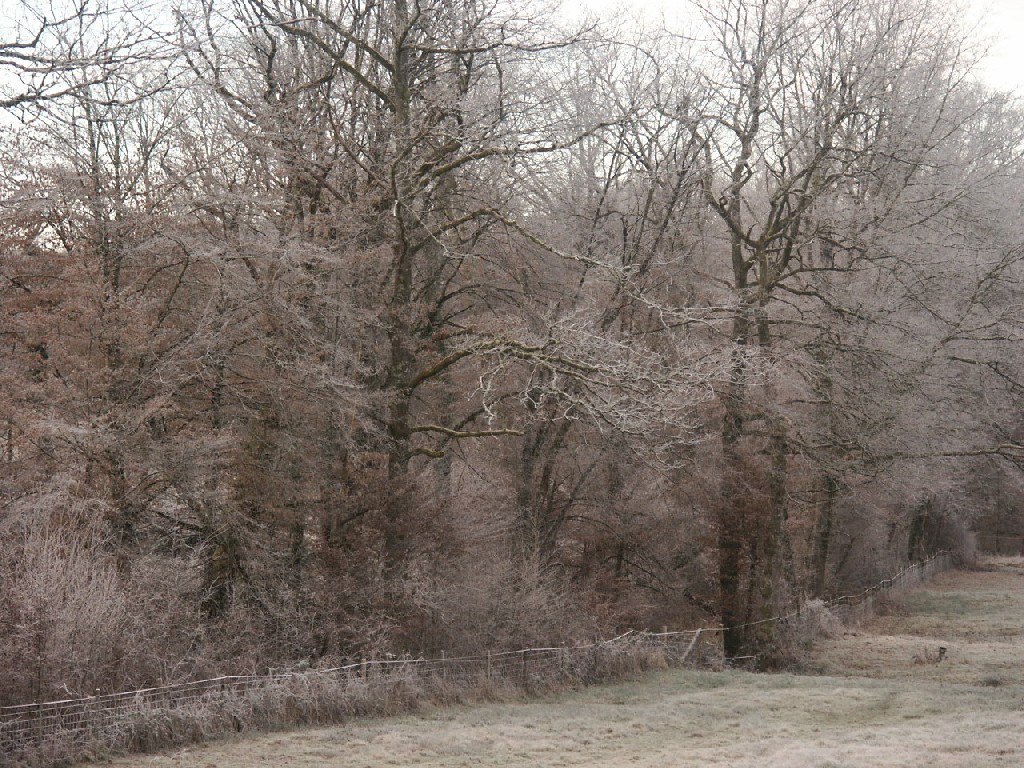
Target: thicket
{"x":336,"y":329}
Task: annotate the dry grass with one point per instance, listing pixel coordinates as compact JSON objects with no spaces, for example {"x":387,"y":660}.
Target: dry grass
{"x":670,"y":719}
{"x":978,"y":616}
{"x":873,"y":706}
{"x":201,"y":714}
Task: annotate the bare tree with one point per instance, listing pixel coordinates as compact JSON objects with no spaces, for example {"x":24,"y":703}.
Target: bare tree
{"x":55,"y":49}
{"x":822,"y":126}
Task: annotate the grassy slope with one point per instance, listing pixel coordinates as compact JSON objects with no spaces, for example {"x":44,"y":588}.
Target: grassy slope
{"x":872,"y":705}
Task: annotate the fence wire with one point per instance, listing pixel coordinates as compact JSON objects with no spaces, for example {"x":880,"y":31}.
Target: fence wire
{"x":97,"y":718}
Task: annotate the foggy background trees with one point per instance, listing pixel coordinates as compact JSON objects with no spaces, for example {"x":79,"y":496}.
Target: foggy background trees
{"x":334,"y":328}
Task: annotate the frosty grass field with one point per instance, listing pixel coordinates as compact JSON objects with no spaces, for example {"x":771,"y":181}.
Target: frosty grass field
{"x":873,"y":696}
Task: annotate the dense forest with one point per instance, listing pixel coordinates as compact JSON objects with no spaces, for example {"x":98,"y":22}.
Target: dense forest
{"x":342,"y":328}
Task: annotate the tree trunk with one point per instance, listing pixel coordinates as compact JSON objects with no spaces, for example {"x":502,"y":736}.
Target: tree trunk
{"x":751,"y":525}
{"x":823,"y":535}
{"x":731,"y":522}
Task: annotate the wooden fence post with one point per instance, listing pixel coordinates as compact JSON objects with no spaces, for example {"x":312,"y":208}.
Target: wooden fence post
{"x":690,"y":647}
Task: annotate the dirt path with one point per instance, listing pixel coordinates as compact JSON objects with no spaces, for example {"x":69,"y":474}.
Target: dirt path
{"x":872,"y":706}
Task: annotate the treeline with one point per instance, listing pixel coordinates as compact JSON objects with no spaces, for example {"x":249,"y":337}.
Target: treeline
{"x":340,"y":328}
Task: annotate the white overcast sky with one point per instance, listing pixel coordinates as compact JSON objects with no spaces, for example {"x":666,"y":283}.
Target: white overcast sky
{"x":999,"y":21}
{"x":1004,"y":21}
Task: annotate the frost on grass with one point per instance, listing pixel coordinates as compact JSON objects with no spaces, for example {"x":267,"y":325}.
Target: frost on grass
{"x":875,"y":708}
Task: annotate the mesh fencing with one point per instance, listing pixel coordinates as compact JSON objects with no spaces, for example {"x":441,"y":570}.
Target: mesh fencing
{"x":115,"y":719}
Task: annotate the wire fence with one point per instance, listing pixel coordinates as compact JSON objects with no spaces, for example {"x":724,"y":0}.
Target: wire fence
{"x":852,"y":609}
{"x":120,"y":720}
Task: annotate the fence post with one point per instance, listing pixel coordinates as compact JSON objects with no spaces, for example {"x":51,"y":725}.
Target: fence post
{"x":38,"y":722}
{"x":690,"y":647}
